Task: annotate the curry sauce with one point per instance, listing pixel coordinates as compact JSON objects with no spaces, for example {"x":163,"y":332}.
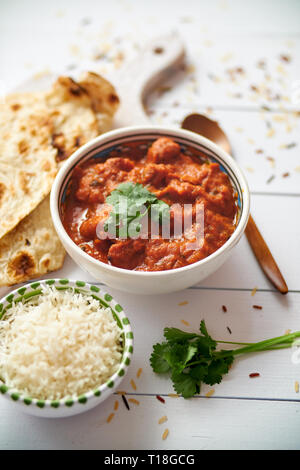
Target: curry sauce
{"x":179,"y":179}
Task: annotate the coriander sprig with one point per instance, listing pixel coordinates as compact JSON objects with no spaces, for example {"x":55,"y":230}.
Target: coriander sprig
{"x":192,"y":359}
{"x":131,"y":202}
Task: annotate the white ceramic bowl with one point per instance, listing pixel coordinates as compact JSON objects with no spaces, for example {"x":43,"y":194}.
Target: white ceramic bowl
{"x":149,"y":282}
{"x":76,"y":404}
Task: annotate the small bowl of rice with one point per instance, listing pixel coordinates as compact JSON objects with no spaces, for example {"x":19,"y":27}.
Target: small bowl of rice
{"x":65,"y":346}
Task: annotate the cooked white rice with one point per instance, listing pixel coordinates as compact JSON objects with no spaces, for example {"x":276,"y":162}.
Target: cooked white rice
{"x":59,"y":345}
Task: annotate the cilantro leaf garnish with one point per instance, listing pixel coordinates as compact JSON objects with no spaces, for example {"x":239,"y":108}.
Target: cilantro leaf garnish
{"x":192,"y":359}
{"x":131,"y":202}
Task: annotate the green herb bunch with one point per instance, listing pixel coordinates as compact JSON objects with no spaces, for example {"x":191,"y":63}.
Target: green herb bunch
{"x":131,"y":202}
{"x":192,"y":359}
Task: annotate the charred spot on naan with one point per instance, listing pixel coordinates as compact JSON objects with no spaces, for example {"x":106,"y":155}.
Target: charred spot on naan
{"x":21,"y":266}
{"x":23,"y":147}
{"x":2,"y":191}
{"x":24,"y":180}
{"x":71,"y":86}
{"x":63,"y":149}
{"x":102,"y":93}
{"x":15,"y":107}
{"x":59,"y":143}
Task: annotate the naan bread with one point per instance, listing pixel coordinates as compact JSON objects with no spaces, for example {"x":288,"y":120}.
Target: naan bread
{"x":32,"y":249}
{"x":80,"y":111}
{"x":37,"y":131}
{"x":27,"y":162}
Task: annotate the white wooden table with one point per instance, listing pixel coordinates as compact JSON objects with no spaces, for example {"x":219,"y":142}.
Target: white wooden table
{"x":236,"y":52}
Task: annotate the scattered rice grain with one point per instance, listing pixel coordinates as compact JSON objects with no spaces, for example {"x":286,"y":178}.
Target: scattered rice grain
{"x":210,"y":393}
{"x":269,"y":180}
{"x":116,"y":405}
{"x":110,"y":417}
{"x":296,"y":386}
{"x":185,"y":322}
{"x":270,"y":132}
{"x":134,"y":401}
{"x":162,"y":420}
{"x":138,"y":374}
{"x":165,"y":434}
{"x":132,"y":383}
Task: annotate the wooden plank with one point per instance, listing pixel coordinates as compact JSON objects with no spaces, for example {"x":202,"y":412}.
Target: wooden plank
{"x":202,"y":424}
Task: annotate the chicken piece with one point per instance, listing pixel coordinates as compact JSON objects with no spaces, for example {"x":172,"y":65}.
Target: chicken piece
{"x":97,"y":181}
{"x":127,"y":254}
{"x":163,"y":150}
{"x":94,"y":226}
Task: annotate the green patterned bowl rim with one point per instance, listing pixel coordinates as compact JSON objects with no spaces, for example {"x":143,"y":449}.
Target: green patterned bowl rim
{"x":106,"y":300}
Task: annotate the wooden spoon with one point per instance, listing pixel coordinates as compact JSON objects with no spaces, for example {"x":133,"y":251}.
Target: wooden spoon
{"x":211,"y":129}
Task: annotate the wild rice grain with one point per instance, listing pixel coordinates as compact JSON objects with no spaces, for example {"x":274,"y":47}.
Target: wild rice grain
{"x":161,"y":399}
{"x":125,"y":402}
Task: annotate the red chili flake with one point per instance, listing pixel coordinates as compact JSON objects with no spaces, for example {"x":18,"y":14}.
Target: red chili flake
{"x":224,"y":308}
{"x":258,"y":307}
{"x":254,"y":374}
{"x":125,"y":402}
{"x":285,"y":175}
{"x":160,"y":399}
